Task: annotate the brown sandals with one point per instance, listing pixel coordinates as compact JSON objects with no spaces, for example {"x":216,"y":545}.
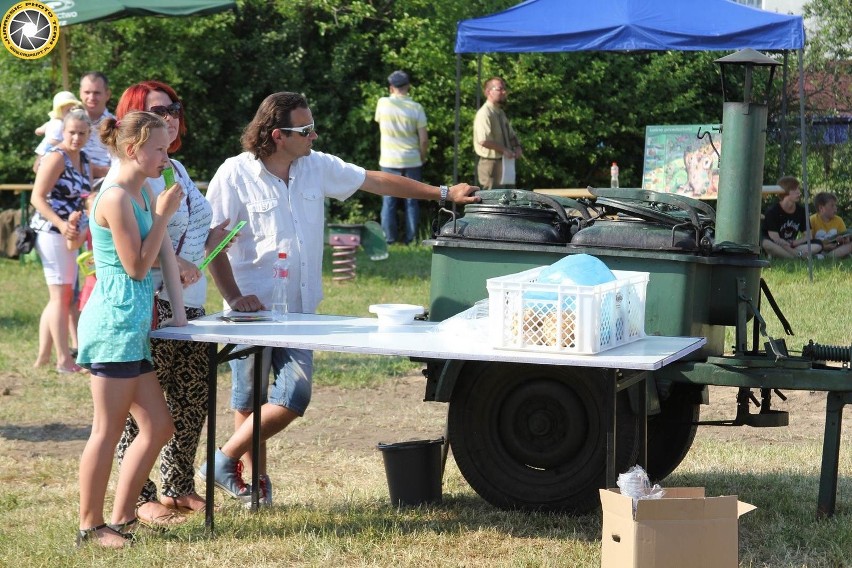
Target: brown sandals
{"x":166,"y":520}
{"x":172,"y":503}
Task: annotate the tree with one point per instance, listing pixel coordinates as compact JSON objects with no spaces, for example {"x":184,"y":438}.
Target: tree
{"x":829,"y":99}
{"x":575,"y":112}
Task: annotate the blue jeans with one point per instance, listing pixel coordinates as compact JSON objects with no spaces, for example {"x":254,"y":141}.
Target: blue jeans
{"x":293,"y":370}
{"x":412,"y":207}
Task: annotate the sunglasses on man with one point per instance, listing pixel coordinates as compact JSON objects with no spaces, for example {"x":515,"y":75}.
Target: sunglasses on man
{"x":172,"y":110}
{"x":304,"y":131}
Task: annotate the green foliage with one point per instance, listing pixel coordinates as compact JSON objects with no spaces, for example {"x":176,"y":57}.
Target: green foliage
{"x":833,"y":20}
{"x":23,"y":107}
{"x":574,"y":112}
{"x":829,"y":165}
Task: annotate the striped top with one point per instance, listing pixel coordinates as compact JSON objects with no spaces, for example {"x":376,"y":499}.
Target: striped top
{"x":399,"y":120}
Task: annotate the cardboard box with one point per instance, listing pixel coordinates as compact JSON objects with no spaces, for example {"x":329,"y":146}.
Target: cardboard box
{"x":683,"y":529}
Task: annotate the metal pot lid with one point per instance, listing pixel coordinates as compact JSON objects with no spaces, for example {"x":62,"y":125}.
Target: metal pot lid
{"x":504,"y":200}
{"x":495,"y":210}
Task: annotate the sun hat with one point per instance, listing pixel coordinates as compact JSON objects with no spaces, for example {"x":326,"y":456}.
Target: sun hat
{"x":398,"y":78}
{"x":61,"y":100}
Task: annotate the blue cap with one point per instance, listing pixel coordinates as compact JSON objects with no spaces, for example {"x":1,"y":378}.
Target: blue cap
{"x":398,"y":79}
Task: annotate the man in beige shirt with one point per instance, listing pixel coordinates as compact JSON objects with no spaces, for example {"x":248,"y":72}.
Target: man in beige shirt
{"x":493,"y":137}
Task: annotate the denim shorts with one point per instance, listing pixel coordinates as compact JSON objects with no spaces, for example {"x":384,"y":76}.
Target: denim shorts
{"x":121,"y":370}
{"x":292,"y":369}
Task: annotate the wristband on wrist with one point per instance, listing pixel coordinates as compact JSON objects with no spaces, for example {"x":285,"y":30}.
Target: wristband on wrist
{"x":444,"y":191}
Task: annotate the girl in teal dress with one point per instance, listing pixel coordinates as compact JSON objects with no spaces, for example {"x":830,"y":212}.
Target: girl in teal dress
{"x":128,"y":228}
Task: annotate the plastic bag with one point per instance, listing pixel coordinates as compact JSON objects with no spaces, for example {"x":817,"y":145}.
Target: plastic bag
{"x":571,"y":270}
{"x":472,"y":320}
{"x":578,"y":270}
{"x":635,"y":483}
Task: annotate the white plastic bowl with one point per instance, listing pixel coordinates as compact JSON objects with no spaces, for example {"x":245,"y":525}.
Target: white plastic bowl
{"x":396,"y":314}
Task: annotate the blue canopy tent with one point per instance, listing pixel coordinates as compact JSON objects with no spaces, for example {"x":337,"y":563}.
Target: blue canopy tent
{"x":630,"y":25}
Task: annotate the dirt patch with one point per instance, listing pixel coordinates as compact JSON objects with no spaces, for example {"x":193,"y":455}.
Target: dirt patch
{"x":342,"y":419}
{"x":357,"y":419}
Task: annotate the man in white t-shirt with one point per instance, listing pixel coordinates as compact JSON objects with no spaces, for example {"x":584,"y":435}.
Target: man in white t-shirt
{"x":278,"y":186}
{"x":95,"y":93}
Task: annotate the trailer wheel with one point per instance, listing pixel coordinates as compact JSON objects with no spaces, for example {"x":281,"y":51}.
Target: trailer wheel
{"x":533,"y":437}
{"x":672,"y":431}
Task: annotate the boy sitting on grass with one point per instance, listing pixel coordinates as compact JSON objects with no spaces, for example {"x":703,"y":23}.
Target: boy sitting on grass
{"x":829,"y":228}
{"x":784,"y":231}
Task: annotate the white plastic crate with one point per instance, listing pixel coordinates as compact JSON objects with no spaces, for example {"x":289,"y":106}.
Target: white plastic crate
{"x":530,"y":316}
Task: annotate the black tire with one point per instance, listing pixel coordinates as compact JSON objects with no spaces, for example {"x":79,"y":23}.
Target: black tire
{"x":672,"y":431}
{"x":533,"y":437}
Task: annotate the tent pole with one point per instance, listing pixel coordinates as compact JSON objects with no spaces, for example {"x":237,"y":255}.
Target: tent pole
{"x":63,"y":58}
{"x":478,"y":79}
{"x":458,"y":121}
{"x":804,"y":137}
{"x":478,"y":104}
{"x":782,"y":159}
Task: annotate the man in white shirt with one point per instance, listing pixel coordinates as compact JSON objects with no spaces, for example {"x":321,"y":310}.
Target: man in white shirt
{"x":278,"y":186}
{"x":95,"y":93}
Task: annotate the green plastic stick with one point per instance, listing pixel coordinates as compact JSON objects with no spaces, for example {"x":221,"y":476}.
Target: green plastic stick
{"x":169,"y":177}
{"x":221,"y":245}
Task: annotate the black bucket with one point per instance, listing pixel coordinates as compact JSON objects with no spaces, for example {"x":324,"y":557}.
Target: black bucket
{"x":414,"y":471}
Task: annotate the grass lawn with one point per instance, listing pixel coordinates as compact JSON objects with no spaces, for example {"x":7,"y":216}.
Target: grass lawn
{"x":331,"y":498}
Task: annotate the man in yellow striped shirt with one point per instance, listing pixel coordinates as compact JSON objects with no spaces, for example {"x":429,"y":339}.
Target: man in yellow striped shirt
{"x":404,"y":143}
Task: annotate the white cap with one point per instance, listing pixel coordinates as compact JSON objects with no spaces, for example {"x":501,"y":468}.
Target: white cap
{"x":61,"y":100}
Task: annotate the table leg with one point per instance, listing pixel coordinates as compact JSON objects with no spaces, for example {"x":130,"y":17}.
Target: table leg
{"x":214,"y":357}
{"x":255,"y":431}
{"x":610,"y":413}
{"x":211,"y":435}
{"x":642,"y":390}
{"x":616,"y":382}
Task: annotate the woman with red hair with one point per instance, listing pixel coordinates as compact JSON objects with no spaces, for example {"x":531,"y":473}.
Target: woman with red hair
{"x":181,"y":366}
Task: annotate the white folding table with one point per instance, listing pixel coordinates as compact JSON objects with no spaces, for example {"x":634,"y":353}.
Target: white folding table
{"x":421,"y":340}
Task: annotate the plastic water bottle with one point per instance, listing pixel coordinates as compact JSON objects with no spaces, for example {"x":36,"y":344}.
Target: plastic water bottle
{"x":281,"y":275}
{"x":613,"y":175}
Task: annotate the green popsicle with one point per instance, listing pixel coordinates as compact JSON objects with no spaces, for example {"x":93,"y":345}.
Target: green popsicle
{"x":169,"y":176}
{"x":221,"y":245}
